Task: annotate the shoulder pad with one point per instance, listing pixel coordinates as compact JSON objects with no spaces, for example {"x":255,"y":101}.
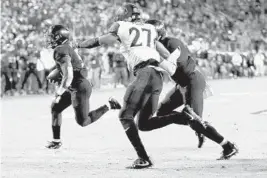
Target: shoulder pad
{"x":60,"y":52}
{"x":114,"y":28}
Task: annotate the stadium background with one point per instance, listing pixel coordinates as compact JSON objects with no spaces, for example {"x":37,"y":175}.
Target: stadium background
{"x":215,"y":31}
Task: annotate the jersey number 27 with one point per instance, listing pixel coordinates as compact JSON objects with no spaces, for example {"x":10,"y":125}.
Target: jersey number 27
{"x":137,"y":41}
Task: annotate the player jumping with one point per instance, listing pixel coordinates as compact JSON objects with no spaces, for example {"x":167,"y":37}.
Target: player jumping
{"x":74,"y":88}
{"x":186,"y":75}
{"x":139,"y":48}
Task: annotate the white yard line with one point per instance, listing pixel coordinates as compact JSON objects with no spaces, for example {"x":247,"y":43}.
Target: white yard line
{"x":242,"y":93}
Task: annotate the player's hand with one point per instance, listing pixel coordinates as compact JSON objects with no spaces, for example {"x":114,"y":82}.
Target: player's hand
{"x":53,"y":81}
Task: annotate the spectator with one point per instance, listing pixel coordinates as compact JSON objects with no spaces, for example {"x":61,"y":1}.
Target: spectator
{"x":259,"y":63}
{"x":237,"y":63}
{"x":120,"y":69}
{"x":211,"y":24}
{"x":96,"y":66}
{"x":31,"y":68}
{"x":44,"y":65}
{"x":110,"y":62}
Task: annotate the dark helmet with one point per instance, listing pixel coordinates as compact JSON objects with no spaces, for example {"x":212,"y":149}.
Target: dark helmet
{"x":160,"y":27}
{"x":56,"y":35}
{"x":128,"y":12}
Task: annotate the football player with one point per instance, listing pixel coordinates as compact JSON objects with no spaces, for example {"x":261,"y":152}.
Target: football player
{"x":74,"y":88}
{"x":140,"y":50}
{"x":187,"y":76}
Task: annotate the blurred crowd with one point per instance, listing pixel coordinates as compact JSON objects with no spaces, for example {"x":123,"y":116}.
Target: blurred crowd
{"x":228,"y":38}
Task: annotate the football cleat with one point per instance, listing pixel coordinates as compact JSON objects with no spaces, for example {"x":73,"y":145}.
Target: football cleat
{"x":201,"y":139}
{"x":141,"y":163}
{"x":230,"y":149}
{"x":54,"y":145}
{"x":114,"y":104}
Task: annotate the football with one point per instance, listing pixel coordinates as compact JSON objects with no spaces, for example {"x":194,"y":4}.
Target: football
{"x":55,"y":76}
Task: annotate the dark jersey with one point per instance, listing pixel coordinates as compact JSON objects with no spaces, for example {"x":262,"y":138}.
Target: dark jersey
{"x":65,"y":50}
{"x":185,"y":63}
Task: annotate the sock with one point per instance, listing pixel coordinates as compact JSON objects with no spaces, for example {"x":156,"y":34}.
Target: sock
{"x":56,"y":132}
{"x":162,"y":121}
{"x":108,"y":105}
{"x":223,"y":142}
{"x":213,"y":134}
{"x":133,"y":136}
{"x":96,"y":114}
{"x":56,"y":140}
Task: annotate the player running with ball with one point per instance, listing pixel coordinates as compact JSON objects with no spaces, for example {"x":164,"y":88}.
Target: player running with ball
{"x":74,"y":88}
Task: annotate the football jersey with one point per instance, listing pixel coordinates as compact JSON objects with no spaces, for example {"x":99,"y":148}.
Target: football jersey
{"x":66,"y":50}
{"x":185,"y":63}
{"x":137,"y":42}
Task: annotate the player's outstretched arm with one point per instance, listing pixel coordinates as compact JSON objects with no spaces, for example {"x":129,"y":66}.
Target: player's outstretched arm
{"x":108,"y":39}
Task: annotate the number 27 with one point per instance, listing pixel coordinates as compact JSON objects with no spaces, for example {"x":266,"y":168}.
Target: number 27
{"x":137,"y":36}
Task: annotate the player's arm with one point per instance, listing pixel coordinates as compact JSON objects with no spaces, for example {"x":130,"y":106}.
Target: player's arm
{"x":164,"y":53}
{"x":110,"y":38}
{"x":165,"y":64}
{"x":67,"y":74}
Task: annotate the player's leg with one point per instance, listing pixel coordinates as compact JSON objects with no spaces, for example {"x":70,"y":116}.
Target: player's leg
{"x":200,"y":126}
{"x":145,"y":121}
{"x":56,"y":110}
{"x":172,"y":100}
{"x":81,"y":106}
{"x":194,"y":98}
{"x":133,"y":99}
{"x":167,"y":116}
{"x":195,"y":101}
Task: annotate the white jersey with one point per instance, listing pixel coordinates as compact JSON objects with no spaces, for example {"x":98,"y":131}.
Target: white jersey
{"x":137,"y":42}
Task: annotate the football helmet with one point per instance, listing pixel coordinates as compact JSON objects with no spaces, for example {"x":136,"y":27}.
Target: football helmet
{"x":128,"y":12}
{"x":160,"y":27}
{"x":57,"y":35}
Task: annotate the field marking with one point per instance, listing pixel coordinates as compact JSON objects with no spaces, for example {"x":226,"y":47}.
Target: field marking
{"x":242,"y":93}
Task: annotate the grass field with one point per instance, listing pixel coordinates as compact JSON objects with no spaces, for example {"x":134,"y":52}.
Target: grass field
{"x":238,"y":109}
